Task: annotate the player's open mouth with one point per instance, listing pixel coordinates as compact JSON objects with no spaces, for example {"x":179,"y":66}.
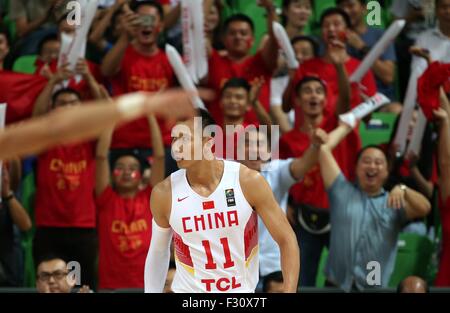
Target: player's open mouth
{"x":371,"y":175}
{"x":146,"y":33}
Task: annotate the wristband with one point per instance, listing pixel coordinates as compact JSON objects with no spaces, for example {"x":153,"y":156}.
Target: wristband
{"x":131,"y":105}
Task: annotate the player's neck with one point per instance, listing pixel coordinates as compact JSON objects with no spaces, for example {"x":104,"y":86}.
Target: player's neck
{"x":237,"y":57}
{"x":205,"y":175}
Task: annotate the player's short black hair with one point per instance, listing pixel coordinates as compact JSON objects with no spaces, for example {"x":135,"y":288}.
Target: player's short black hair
{"x":275,"y":276}
{"x":239,"y":17}
{"x":236,"y":82}
{"x":309,"y":39}
{"x":136,"y":4}
{"x":63,"y":91}
{"x":308,"y":79}
{"x":336,"y":11}
{"x":49,"y":37}
{"x":361,"y":151}
{"x":207,"y":119}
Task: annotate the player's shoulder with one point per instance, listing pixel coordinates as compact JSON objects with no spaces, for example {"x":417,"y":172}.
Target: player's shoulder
{"x":249,"y":178}
{"x":163,"y":189}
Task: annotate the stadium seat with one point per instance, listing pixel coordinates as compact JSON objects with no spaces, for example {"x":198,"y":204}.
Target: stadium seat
{"x":413,"y":257}
{"x":25,"y":64}
{"x":378,"y":130}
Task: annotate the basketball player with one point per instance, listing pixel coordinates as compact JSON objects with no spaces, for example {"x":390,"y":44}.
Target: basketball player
{"x":210,"y":207}
{"x":82,"y":122}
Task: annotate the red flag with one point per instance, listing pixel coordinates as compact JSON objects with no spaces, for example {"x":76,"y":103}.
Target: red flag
{"x":19,"y":91}
{"x":207,"y":205}
{"x":428,"y":85}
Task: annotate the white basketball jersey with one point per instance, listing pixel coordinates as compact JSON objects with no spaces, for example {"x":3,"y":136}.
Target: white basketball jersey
{"x":215,"y":237}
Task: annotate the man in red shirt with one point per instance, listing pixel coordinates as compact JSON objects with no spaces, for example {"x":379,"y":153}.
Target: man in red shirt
{"x":334,"y":24}
{"x":135,"y":63}
{"x":237,"y":98}
{"x":238,"y":40}
{"x":124,"y":216}
{"x":309,"y":196}
{"x":64,"y":204}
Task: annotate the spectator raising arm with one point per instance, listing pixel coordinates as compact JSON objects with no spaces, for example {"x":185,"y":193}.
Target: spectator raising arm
{"x":18,"y":213}
{"x":444,"y":152}
{"x":158,"y":166}
{"x":270,"y":49}
{"x":43,"y":101}
{"x":113,"y":59}
{"x":338,"y":55}
{"x":328,"y":166}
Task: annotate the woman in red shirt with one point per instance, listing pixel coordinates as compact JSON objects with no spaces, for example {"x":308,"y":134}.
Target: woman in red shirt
{"x":124,"y":216}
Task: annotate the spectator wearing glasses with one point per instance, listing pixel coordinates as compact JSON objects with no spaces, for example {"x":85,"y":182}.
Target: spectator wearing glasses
{"x":53,"y":277}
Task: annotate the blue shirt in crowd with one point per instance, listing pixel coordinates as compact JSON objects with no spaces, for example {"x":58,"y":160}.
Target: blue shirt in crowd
{"x":363,"y":229}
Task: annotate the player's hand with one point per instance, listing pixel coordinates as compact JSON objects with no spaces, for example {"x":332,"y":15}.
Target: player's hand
{"x":396,"y":199}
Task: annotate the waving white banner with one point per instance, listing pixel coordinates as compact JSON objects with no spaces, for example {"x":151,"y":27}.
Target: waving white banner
{"x":363,"y":109}
{"x":417,"y":135}
{"x":76,"y":48}
{"x":182,"y":74}
{"x":194,"y":47}
{"x":388,"y":37}
{"x":285,"y":44}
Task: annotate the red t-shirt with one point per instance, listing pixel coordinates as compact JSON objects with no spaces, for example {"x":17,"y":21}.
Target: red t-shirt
{"x":65,"y":187}
{"x":124,"y":233}
{"x":327,"y":72}
{"x":311,"y":190}
{"x":221,"y":69}
{"x":141,"y":73}
{"x":443,"y":276}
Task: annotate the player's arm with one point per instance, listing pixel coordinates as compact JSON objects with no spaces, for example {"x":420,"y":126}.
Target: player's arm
{"x":158,"y":256}
{"x":87,"y":121}
{"x":158,"y":167}
{"x":259,"y":195}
